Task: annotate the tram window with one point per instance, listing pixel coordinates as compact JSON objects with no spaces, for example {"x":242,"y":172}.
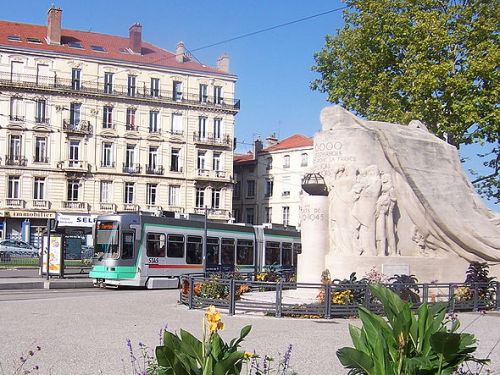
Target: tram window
{"x":155,"y":245}
{"x":212,"y":250}
{"x":272,"y":253}
{"x":244,"y":252}
{"x":127,"y":245}
{"x":286,"y":254}
{"x":175,"y":248}
{"x":194,"y":250}
{"x":227,"y":250}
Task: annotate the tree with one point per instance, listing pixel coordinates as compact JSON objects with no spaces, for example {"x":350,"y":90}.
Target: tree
{"x":432,"y":60}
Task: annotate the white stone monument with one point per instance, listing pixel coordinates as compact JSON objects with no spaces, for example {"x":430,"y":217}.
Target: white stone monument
{"x":397,"y":199}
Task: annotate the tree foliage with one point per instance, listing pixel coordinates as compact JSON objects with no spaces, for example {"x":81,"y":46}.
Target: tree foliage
{"x":432,"y":60}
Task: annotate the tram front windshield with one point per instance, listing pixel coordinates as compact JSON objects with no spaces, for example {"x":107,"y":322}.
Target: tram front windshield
{"x":106,"y":244}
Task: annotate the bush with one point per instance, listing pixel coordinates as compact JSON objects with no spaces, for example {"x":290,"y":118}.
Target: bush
{"x":478,"y":273}
{"x":405,"y":286}
{"x":406,"y":342}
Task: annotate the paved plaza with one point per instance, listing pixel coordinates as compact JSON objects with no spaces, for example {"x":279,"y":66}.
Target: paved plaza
{"x":84,"y":331}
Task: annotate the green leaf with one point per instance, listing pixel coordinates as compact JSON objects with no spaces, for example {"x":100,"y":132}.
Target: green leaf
{"x":191,"y":345}
{"x":227,"y":365}
{"x":447,"y":344}
{"x":355,"y":359}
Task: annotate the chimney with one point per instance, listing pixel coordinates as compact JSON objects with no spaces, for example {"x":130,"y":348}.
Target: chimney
{"x":271,"y":140}
{"x":257,"y":147}
{"x":135,"y":38}
{"x":54,"y":25}
{"x":180,"y":50}
{"x":223,"y":63}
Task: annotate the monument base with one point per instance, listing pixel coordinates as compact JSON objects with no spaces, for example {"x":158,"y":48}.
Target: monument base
{"x":436,"y":269}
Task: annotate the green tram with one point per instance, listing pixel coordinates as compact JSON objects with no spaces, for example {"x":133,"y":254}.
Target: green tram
{"x":135,"y":249}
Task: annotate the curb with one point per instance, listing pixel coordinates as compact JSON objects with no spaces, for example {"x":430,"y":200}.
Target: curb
{"x":26,"y":285}
{"x":60,"y":284}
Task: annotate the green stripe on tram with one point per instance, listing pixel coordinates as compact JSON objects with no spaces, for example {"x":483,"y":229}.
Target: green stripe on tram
{"x":120,"y":272}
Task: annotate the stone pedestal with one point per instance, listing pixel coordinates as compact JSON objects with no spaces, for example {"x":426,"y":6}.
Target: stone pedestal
{"x":314,"y":233}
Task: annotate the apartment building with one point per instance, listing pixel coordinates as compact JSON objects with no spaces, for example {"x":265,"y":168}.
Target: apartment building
{"x":93,"y":123}
{"x":268,"y":181}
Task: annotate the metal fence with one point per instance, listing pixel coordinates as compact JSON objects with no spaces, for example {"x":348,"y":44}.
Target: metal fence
{"x":327,"y":301}
{"x":71,"y":265}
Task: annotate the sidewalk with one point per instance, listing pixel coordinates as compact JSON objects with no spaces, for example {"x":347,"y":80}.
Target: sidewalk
{"x":29,"y":279}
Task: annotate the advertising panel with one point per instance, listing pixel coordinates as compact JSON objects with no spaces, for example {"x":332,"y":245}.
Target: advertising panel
{"x":55,"y":255}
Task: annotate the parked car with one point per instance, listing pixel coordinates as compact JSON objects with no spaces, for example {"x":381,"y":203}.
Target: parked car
{"x":16,"y":248}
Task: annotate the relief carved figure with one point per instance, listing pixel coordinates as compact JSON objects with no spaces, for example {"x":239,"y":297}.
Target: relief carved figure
{"x":385,"y":228}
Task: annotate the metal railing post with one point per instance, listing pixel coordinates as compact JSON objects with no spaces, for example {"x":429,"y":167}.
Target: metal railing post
{"x":476,"y":298}
{"x":191,"y":292}
{"x":279,"y":289}
{"x":451,"y":298}
{"x":366,"y":302}
{"x":232,"y":297}
{"x":425,"y":293}
{"x":328,"y":300}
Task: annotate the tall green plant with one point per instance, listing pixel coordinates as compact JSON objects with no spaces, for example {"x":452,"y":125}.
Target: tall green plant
{"x":405,"y":342}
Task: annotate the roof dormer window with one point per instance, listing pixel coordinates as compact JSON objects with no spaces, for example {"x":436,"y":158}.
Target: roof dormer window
{"x":98,"y":48}
{"x":34,"y":40}
{"x":75,"y":44}
{"x":14,"y":38}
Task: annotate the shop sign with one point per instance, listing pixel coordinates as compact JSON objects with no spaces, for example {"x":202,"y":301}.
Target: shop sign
{"x":30,"y":214}
{"x":64,"y":220}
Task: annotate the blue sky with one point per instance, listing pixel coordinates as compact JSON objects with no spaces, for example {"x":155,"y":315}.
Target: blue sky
{"x":274,"y":68}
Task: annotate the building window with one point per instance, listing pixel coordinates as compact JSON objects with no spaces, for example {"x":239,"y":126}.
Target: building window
{"x":200,"y":164}
{"x":153,"y":122}
{"x":216,"y":195}
{"x":108,"y":83}
{"x":250,"y":188}
{"x":203,"y":93}
{"x":14,"y":187}
{"x":40,"y":111}
{"x":151,"y":194}
{"x":40,"y":150}
{"x":155,"y":87}
{"x":74,"y":114}
{"x":237,"y":189}
{"x":15,"y":148}
{"x":131,"y":85}
{"x":107,"y":119}
{"x":286,"y":215}
{"x":268,"y":214}
{"x":218,"y":95}
{"x":286,"y":161}
{"x":217,"y":128}
{"x":177,"y":91}
{"x":269,"y":187}
{"x":73,"y":190}
{"x":130,"y":122}
{"x":129,"y":193}
{"x":216,"y":162}
{"x":16,"y":109}
{"x":175,"y":165}
{"x":269,"y":163}
{"x":76,"y":75}
{"x":200,"y":197}
{"x":286,"y":186}
{"x":176,"y":124}
{"x":304,"y":160}
{"x":107,"y":155}
{"x":39,"y":188}
{"x":130,"y":156}
{"x":249,"y":217}
{"x":173,"y":195}
{"x":202,"y":121}
{"x":106,"y":191}
{"x":153,"y":158}
{"x":74,"y":152}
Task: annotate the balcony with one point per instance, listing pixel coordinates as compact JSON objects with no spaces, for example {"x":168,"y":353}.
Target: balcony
{"x":154,"y":169}
{"x":80,"y":127}
{"x":108,"y":126}
{"x":176,"y":170}
{"x":108,"y":207}
{"x":153,"y":207}
{"x":178,"y":209}
{"x":140,"y":92}
{"x":15,"y":160}
{"x":107,"y":164}
{"x":75,"y":205}
{"x":41,"y":160}
{"x":16,"y":118}
{"x":219,"y":174}
{"x":76,"y":166}
{"x":15,"y":203}
{"x":214,"y":213}
{"x":40,"y":204}
{"x":203,"y":173}
{"x":210,"y":140}
{"x":130,"y":207}
{"x":42,"y":121}
{"x":131,"y":168}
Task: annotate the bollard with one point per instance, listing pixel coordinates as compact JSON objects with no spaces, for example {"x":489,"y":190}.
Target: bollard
{"x":279,"y":289}
{"x":232,"y":297}
{"x":191,"y":292}
{"x":328,"y":300}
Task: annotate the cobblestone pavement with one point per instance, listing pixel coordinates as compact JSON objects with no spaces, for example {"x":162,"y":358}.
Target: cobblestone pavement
{"x":85,"y":331}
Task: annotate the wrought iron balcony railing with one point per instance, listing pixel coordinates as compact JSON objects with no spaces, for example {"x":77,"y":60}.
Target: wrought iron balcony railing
{"x":210,"y":139}
{"x":16,"y":160}
{"x":131,"y":168}
{"x":80,"y":127}
{"x":154,"y":169}
{"x":140,"y":91}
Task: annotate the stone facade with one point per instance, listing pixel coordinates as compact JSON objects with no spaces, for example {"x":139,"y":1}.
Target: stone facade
{"x":93,"y":123}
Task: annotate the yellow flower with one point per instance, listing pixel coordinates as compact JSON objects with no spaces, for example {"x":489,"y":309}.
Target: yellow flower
{"x":247,"y":355}
{"x":213,"y":318}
